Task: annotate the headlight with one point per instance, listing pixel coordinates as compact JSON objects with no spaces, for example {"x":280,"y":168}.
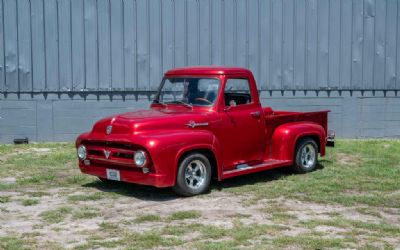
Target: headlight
{"x":82,"y":152}
{"x":140,"y":158}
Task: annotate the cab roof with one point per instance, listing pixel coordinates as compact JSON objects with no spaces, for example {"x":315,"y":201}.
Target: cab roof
{"x":207,"y":70}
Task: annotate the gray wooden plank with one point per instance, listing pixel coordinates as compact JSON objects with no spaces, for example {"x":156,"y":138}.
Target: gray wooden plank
{"x":130,"y":44}
{"x":216,"y":30}
{"x":143,"y":44}
{"x":179,"y":33}
{"x":11,"y":44}
{"x":193,"y":33}
{"x":323,"y":44}
{"x":2,"y":58}
{"x":299,"y":50}
{"x":205,"y":44}
{"x":155,"y":70}
{"x":311,"y":44}
{"x":276,"y":65}
{"x":64,"y":44}
{"x":91,"y":49}
{"x":104,"y":43}
{"x":38,"y":44}
{"x":288,"y":44}
{"x":229,"y":32}
{"x":24,"y":45}
{"x":380,"y":46}
{"x":117,"y":45}
{"x":391,"y":46}
{"x":334,"y":44}
{"x":357,"y":44}
{"x":368,"y":45}
{"x":168,"y":35}
{"x":51,"y":42}
{"x":78,"y":45}
{"x":241,"y":34}
{"x":346,"y":9}
{"x":398,"y":47}
{"x":254,"y":38}
{"x":265,"y":37}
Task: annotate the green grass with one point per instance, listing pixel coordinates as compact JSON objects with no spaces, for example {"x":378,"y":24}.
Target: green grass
{"x":55,"y":216}
{"x":86,"y":213}
{"x":147,"y":218}
{"x":30,"y":202}
{"x":12,"y":243}
{"x":4,"y":199}
{"x":354,"y":172}
{"x":183,"y":215}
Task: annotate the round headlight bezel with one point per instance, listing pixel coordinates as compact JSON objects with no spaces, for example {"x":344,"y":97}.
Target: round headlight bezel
{"x":140,"y":158}
{"x":82,"y":152}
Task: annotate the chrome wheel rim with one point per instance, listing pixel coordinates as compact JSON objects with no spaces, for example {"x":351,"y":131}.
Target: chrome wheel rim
{"x":195,"y":174}
{"x":308,"y":156}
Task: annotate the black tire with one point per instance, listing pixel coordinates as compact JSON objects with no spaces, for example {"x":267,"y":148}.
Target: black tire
{"x":187,"y":165}
{"x":309,"y":160}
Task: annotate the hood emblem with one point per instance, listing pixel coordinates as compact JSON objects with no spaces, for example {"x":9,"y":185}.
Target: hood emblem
{"x":107,"y":153}
{"x":109,"y":129}
{"x":193,"y":124}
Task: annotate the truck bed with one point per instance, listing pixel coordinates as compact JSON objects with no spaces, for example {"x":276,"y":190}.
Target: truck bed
{"x":275,"y":118}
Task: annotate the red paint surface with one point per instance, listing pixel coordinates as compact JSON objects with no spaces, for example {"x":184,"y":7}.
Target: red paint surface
{"x":232,"y":137}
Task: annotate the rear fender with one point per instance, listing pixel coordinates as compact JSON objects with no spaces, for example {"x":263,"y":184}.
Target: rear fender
{"x":287,"y":135}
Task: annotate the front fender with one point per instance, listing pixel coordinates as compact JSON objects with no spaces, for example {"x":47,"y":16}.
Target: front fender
{"x":166,"y":148}
{"x":285,"y":137}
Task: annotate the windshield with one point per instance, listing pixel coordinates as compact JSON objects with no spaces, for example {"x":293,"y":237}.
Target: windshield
{"x":189,"y":91}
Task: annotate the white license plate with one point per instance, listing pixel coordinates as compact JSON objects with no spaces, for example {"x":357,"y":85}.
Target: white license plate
{"x":113,"y":174}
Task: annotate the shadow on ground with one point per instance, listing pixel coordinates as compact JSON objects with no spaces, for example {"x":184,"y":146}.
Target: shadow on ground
{"x":165,"y":194}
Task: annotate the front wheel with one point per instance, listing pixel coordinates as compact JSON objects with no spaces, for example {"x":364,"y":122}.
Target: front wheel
{"x":194,"y":175}
{"x":306,"y":157}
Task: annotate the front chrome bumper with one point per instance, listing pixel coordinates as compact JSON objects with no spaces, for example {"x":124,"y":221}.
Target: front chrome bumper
{"x":330,"y":139}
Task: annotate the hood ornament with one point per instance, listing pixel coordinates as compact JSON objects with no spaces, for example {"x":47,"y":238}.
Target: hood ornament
{"x":109,"y":129}
{"x":107,"y":153}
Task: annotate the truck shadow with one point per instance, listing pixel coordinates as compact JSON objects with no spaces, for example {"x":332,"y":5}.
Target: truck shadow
{"x":166,"y":194}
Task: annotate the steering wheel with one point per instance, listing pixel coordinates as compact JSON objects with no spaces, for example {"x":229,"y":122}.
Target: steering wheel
{"x":203,"y":100}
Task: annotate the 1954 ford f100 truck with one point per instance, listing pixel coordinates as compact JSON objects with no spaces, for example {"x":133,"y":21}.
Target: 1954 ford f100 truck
{"x":204,"y":123}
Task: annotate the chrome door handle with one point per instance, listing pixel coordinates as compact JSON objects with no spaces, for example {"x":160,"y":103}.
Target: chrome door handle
{"x":256,"y":114}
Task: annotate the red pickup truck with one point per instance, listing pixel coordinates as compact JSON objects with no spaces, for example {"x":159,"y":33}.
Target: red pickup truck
{"x":204,"y":123}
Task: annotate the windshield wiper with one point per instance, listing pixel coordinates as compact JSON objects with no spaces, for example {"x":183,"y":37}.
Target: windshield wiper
{"x":187,"y":105}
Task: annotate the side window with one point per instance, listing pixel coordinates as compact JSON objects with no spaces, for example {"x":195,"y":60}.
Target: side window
{"x":237,"y":92}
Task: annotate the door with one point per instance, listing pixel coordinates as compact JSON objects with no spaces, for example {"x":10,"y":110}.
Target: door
{"x":243,"y":124}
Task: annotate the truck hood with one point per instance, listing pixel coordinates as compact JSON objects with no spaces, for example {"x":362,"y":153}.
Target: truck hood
{"x":148,"y":120}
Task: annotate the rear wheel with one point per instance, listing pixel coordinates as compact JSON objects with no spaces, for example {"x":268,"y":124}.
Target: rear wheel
{"x":194,"y":175}
{"x":306,"y":157}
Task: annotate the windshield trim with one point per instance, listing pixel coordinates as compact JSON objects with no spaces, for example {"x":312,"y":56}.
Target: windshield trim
{"x":157,"y":97}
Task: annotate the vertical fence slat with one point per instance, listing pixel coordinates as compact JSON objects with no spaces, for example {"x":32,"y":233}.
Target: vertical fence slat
{"x":357,"y":44}
{"x":265,"y":37}
{"x":391,"y":25}
{"x":2,"y":58}
{"x":91,"y":56}
{"x":205,"y":44}
{"x":380,"y":46}
{"x":117,"y":41}
{"x":129,"y":44}
{"x":311,"y":43}
{"x":179,"y":31}
{"x":254,"y":39}
{"x":334,"y":44}
{"x":241,"y":33}
{"x":398,"y":47}
{"x":193,"y":36}
{"x":142,"y":44}
{"x":155,"y":73}
{"x":345,"y":43}
{"x":368,"y":48}
{"x":11,"y":44}
{"x":323,"y":44}
{"x":287,"y":43}
{"x":51,"y":42}
{"x":78,"y":45}
{"x":168,"y":35}
{"x":216,"y":30}
{"x":38,"y":52}
{"x":299,"y":38}
{"x":104,"y":43}
{"x":24,"y":46}
{"x":229,"y":32}
{"x":64,"y":44}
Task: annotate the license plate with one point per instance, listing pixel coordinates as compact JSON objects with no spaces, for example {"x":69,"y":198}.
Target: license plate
{"x":113,"y":174}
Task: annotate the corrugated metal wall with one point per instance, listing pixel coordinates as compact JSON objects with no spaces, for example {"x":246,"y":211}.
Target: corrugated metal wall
{"x":102,"y":45}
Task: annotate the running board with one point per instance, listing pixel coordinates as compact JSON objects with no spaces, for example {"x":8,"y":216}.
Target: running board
{"x":246,"y":169}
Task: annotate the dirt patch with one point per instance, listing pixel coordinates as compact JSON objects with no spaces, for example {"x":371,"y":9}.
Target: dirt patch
{"x":347,"y":159}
